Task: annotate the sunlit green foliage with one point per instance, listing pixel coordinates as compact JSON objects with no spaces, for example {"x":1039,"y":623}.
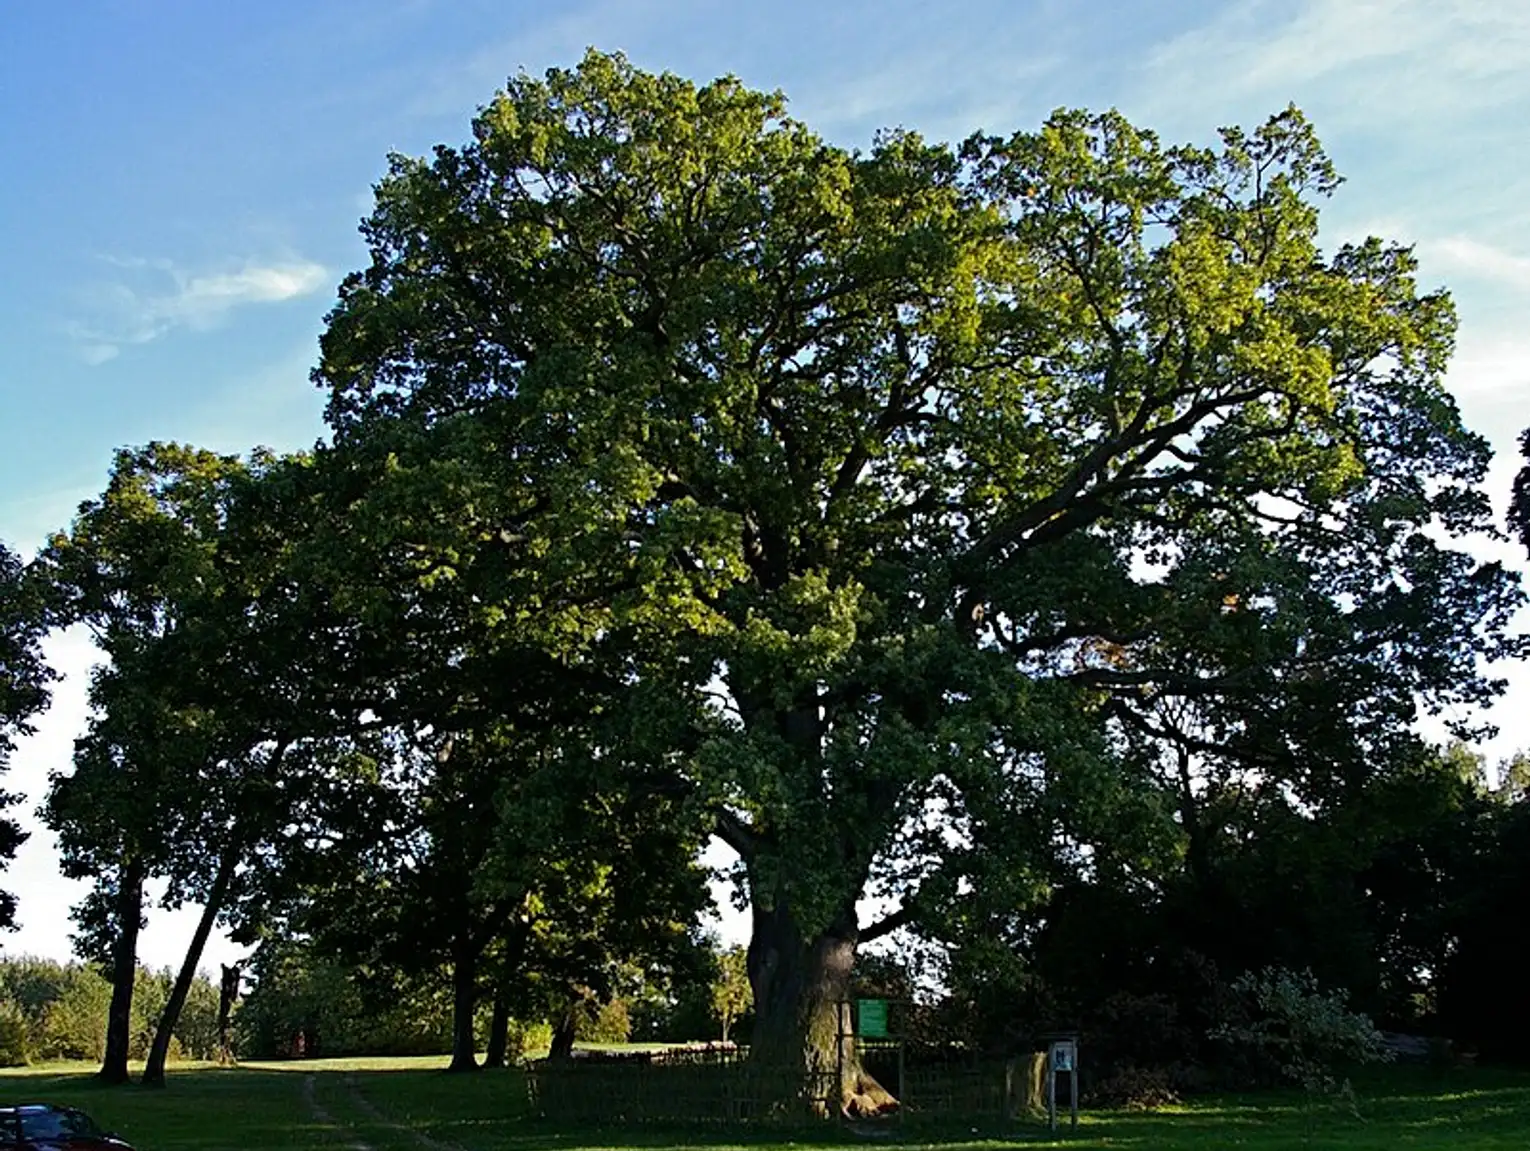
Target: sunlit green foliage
{"x":931,"y":499}
{"x":51,"y":1011}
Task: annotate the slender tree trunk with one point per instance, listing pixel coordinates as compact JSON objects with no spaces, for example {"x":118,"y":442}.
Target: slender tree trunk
{"x":119,"y":1016}
{"x":154,"y":1069}
{"x":228,"y":995}
{"x":464,"y":999}
{"x":563,"y":1036}
{"x":513,"y":955}
{"x":802,"y":1026}
{"x":499,"y":1031}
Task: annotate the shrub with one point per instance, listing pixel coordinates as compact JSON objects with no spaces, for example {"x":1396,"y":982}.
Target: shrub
{"x":1308,"y":1033}
{"x":1135,"y":1089}
{"x":603,"y":1022}
{"x":524,"y":1038}
{"x":15,"y":1038}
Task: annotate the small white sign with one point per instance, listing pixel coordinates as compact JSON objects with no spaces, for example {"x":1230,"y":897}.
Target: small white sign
{"x":1062,"y":1056}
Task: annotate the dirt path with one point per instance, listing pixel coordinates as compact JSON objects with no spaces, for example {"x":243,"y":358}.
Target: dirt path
{"x":320,"y":1115}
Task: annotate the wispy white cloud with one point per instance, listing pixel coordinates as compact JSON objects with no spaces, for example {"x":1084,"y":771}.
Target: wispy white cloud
{"x":1468,"y":257}
{"x":848,"y":69}
{"x":155,"y":297}
{"x":469,"y":82}
{"x":1490,"y":375}
{"x":942,"y":90}
{"x":95,"y":353}
{"x":1376,"y":58}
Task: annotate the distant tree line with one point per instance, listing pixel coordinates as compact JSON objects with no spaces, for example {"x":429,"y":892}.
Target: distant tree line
{"x":56,"y":1011}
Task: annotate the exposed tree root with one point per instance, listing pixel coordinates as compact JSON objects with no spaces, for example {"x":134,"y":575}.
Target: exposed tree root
{"x":864,"y":1098}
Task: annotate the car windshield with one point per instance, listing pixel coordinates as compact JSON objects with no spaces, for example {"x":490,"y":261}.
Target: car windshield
{"x":56,"y":1124}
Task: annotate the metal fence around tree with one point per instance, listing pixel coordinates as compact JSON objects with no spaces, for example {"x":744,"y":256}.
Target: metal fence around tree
{"x":715,"y":1085}
{"x":680,"y":1085}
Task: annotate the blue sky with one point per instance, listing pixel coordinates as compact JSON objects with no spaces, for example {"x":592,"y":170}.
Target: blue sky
{"x":183,"y":181}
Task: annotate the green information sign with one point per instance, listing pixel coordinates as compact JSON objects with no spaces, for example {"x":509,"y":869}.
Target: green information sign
{"x":871,"y":1018}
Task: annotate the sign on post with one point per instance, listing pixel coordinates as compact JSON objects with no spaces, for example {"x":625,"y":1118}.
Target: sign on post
{"x":871,"y":1018}
{"x":1062,"y":1059}
{"x":1063,"y":1054}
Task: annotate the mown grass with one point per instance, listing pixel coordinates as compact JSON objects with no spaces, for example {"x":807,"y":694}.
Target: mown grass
{"x":409,"y":1105}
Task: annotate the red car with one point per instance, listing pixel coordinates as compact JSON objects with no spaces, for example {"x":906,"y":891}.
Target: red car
{"x":43,"y":1127}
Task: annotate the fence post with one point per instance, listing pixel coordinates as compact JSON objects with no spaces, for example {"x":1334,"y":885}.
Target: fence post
{"x":837,"y":1090}
{"x":1051,"y":1094}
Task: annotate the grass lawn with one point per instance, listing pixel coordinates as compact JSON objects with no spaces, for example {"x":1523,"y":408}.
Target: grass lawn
{"x":408,"y":1105}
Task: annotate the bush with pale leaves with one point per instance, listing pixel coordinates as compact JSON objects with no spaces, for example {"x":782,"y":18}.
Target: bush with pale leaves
{"x":1309,"y":1033}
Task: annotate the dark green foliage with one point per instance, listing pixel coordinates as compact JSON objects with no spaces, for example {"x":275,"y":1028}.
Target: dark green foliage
{"x":178,"y":775}
{"x":1519,"y":506}
{"x":1484,"y":1001}
{"x":1383,"y":893}
{"x":24,"y":681}
{"x":303,"y":1005}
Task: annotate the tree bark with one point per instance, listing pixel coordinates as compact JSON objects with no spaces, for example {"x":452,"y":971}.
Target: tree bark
{"x":562,"y":1046}
{"x":119,"y":1016}
{"x":228,"y":995}
{"x":803,"y":1036}
{"x":498,"y":1051}
{"x":154,"y":1069}
{"x":464,"y":999}
{"x":803,"y":1042}
{"x":499,"y":1032}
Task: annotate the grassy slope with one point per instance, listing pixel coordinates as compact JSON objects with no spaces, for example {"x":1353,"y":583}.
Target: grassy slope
{"x":407,"y":1105}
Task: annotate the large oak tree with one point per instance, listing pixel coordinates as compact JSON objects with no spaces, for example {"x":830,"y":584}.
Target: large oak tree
{"x":917,"y":480}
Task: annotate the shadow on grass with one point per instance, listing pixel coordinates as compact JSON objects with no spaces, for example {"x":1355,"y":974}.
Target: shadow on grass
{"x":398,"y":1106}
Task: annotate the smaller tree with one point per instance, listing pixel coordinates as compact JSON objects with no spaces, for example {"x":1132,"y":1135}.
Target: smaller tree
{"x":731,"y":994}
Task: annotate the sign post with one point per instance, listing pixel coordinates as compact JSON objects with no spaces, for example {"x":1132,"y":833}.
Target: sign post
{"x":1062,"y":1059}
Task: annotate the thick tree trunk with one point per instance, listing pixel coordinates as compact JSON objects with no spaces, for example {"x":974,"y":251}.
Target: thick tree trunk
{"x":154,"y":1069}
{"x":119,"y":1016}
{"x":803,"y":1037}
{"x":464,"y":1000}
